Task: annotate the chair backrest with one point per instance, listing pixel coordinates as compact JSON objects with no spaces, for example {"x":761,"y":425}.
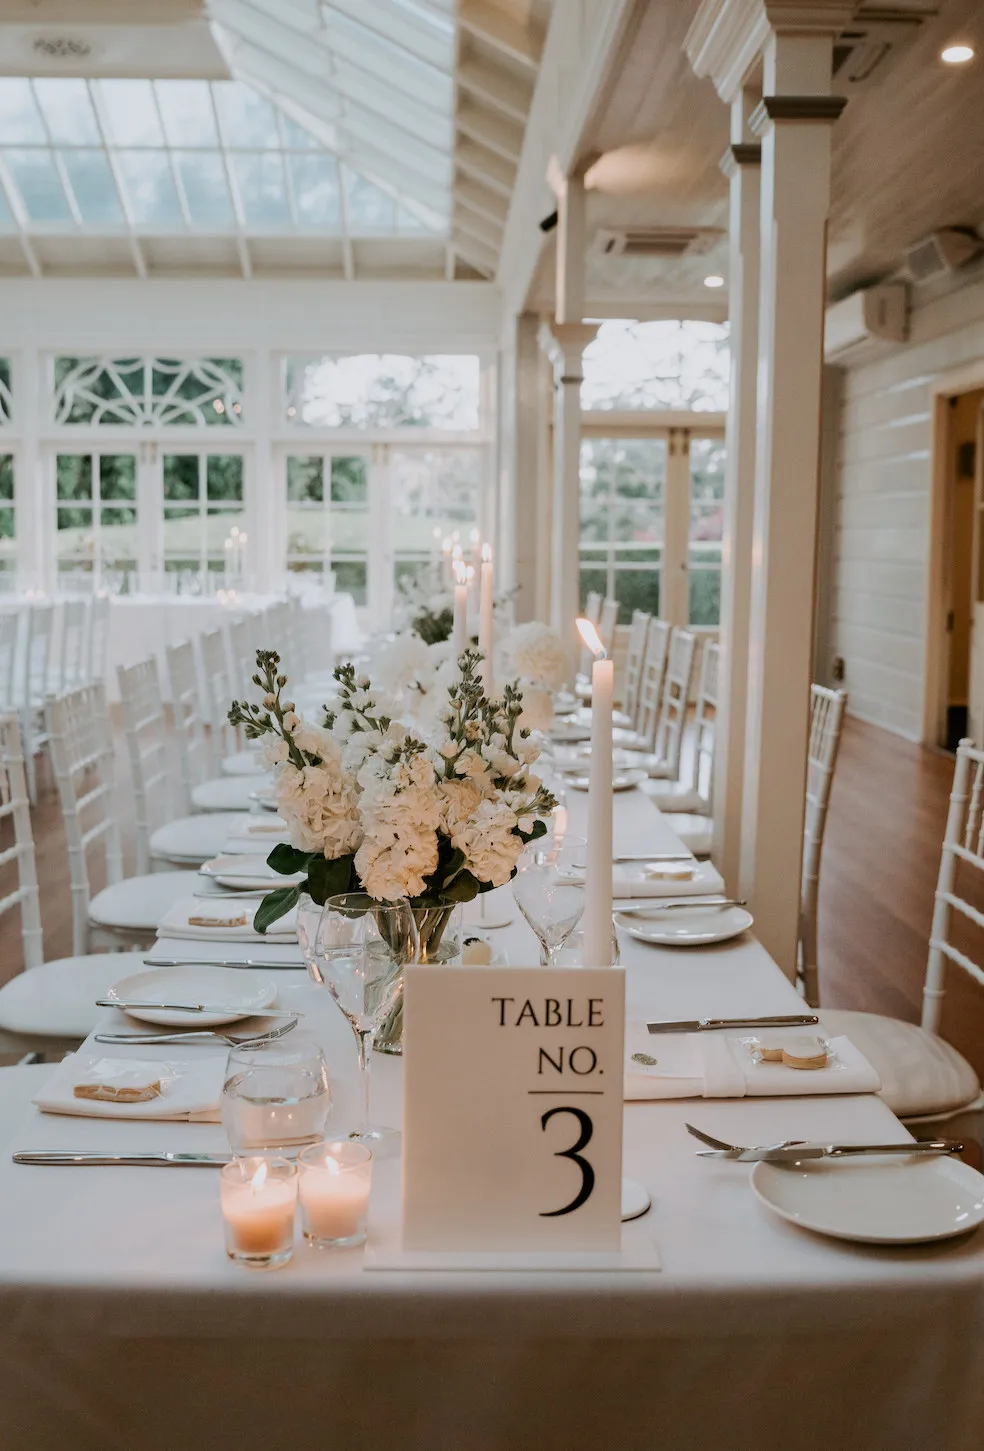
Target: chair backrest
{"x":10,"y":630}
{"x":81,"y":745}
{"x":705,"y":716}
{"x":963,"y":845}
{"x":826,"y":722}
{"x":592,"y":612}
{"x":189,"y":716}
{"x":37,"y":651}
{"x":673,"y":701}
{"x":220,"y":694}
{"x":606,"y":625}
{"x":651,"y":682}
{"x":14,"y":807}
{"x":97,"y":643}
{"x":74,"y":631}
{"x":145,"y":728}
{"x":242,"y":644}
{"x":636,"y":653}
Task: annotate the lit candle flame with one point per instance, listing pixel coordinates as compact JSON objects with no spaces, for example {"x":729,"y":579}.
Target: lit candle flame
{"x":591,"y":638}
{"x":474,"y":536}
{"x":486,"y":554}
{"x":259,"y":1178}
{"x":460,"y":572}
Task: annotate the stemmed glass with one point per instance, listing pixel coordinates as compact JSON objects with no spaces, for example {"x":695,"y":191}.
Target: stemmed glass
{"x":548,"y":889}
{"x":357,"y":948}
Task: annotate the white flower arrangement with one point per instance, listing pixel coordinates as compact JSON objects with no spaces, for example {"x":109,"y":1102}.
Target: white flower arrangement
{"x":386,"y":807}
{"x":535,"y":652}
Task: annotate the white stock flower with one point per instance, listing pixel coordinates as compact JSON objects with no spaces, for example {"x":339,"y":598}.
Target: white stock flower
{"x":489,"y":842}
{"x":274,"y":752}
{"x":537,"y":654}
{"x":538,"y":711}
{"x":401,"y":661}
{"x":320,"y":806}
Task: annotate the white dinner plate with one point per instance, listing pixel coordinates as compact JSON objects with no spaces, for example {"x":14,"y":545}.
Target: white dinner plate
{"x":876,"y":1200}
{"x":622,"y":781}
{"x":685,"y":926}
{"x":247,"y":872}
{"x":245,"y":995}
{"x":265,"y":802}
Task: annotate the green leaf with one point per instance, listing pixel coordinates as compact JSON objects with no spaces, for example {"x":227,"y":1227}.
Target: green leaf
{"x":539,"y":829}
{"x":275,"y":905}
{"x":287,"y":859}
{"x":329,"y":878}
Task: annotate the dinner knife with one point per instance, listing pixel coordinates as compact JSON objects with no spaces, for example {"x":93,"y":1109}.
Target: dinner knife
{"x":693,"y":904}
{"x":212,"y":962}
{"x":772,"y":1154}
{"x":66,"y":1157}
{"x":246,"y":1012}
{"x":704,"y":1025}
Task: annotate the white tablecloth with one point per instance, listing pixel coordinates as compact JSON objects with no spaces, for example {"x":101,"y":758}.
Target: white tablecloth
{"x":123,"y":1325}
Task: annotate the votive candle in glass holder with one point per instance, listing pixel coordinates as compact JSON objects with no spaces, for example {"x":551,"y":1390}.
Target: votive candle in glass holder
{"x":334,"y":1183}
{"x":258,"y":1200}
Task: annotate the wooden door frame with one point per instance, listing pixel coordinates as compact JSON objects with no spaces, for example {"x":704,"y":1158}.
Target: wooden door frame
{"x":966,"y":379}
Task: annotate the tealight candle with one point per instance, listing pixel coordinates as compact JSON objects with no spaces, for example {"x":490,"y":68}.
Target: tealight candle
{"x":335,"y":1180}
{"x":258,"y":1199}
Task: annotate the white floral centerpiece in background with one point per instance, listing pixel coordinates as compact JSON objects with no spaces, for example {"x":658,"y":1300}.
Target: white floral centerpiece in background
{"x":534,"y":654}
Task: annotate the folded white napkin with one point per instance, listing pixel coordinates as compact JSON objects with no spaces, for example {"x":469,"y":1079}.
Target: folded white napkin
{"x":630,"y":882}
{"x":717,"y":1065}
{"x":261,"y":834}
{"x":189,"y":1090}
{"x":177,"y":922}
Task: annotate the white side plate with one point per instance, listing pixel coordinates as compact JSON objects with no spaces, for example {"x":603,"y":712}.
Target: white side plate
{"x":685,"y":926}
{"x":622,"y":781}
{"x":245,"y":995}
{"x":876,"y":1201}
{"x":247,"y":872}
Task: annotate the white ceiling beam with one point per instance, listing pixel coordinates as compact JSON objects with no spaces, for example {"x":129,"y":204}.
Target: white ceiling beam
{"x":478,"y":198}
{"x":481,"y":257}
{"x":394,"y":24}
{"x":518,"y":43}
{"x":474,"y":226}
{"x":494,"y":132}
{"x":496,"y":87}
{"x":137,"y":253}
{"x":245,"y":260}
{"x":489,"y":169}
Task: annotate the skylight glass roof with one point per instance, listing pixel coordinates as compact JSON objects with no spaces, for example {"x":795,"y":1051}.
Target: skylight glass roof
{"x":242,"y":157}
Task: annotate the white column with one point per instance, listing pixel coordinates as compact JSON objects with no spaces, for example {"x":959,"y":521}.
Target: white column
{"x":674,"y":594}
{"x":266,"y":496}
{"x":794,"y":121}
{"x":518,"y":562}
{"x":741,"y":163}
{"x":564,"y":344}
{"x":33,"y":498}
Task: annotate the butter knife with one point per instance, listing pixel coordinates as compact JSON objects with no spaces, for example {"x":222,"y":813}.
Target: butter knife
{"x":230,"y":1008}
{"x":778,"y":1154}
{"x":704,"y":1025}
{"x":65,"y":1157}
{"x":214,"y":962}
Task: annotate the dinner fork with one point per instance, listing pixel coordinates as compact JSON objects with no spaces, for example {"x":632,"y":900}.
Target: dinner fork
{"x":231,"y":1040}
{"x":792,"y":1150}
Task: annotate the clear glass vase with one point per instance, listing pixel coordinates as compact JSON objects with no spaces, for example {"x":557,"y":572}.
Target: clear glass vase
{"x":439,"y":933}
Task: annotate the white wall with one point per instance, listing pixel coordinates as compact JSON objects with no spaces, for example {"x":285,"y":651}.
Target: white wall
{"x":879,"y":600}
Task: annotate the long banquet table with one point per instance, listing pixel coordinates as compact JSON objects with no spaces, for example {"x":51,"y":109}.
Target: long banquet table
{"x":122,"y":1324}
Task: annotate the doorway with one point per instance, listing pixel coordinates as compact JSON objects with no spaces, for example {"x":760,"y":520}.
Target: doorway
{"x":963,"y":713}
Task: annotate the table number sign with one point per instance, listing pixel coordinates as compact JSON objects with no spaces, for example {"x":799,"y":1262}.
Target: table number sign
{"x":512,"y":1127}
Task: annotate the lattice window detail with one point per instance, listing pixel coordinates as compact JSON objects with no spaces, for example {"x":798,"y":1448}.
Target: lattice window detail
{"x":148,"y":391}
{"x":6,"y":396}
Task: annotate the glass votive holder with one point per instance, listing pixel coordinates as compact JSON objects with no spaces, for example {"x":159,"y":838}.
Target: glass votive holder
{"x":334,"y":1183}
{"x":259,"y":1196}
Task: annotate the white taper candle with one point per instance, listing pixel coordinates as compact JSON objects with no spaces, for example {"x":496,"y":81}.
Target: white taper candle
{"x":598,"y":867}
{"x":459,"y":633}
{"x":485,"y":640}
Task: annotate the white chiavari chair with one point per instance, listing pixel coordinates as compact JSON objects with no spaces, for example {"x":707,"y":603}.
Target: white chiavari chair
{"x":219,"y":693}
{"x":97,"y":640}
{"x":35,"y":665}
{"x":161,"y":835}
{"x":635,"y":655}
{"x":607,"y":621}
{"x":692,"y":792}
{"x":664,"y":761}
{"x":643,"y":738}
{"x":67,"y":666}
{"x":243,"y":647}
{"x":924,"y":1079}
{"x":189,"y":729}
{"x":233,"y":792}
{"x":83,"y":758}
{"x":10,"y":634}
{"x":826,"y":723}
{"x":49,"y":1006}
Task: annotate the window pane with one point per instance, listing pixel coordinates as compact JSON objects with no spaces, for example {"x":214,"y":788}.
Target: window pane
{"x":679,"y":364}
{"x":592,"y":580}
{"x":19,"y":118}
{"x":131,"y":113}
{"x":187,"y":111}
{"x":305,"y":479}
{"x":390,"y":390}
{"x":40,"y":185}
{"x":73,"y":476}
{"x":636,"y":589}
{"x":6,"y":476}
{"x":112,"y":517}
{"x":150,"y":188}
{"x":218,"y":526}
{"x":204,"y":180}
{"x":705,"y":596}
{"x":247,"y":119}
{"x":118,"y":476}
{"x":6,"y":523}
{"x":74,"y":519}
{"x":349,"y":481}
{"x":224,"y":477}
{"x":315,"y":179}
{"x":181,"y":476}
{"x":707,"y":461}
{"x":177,"y":511}
{"x":350,"y":578}
{"x":623,"y":485}
{"x":261,"y":186}
{"x":67,"y":110}
{"x":92,"y":182}
{"x":307,"y":531}
{"x":370,"y":211}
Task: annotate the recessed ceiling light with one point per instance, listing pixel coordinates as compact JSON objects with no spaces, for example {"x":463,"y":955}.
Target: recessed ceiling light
{"x":957,"y":54}
{"x":714,"y":281}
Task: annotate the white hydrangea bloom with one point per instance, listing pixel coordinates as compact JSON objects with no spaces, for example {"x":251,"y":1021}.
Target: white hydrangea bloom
{"x":537,"y":654}
{"x":402,"y":661}
{"x":489,"y":841}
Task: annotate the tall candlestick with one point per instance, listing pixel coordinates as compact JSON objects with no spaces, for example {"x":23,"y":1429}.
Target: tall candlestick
{"x":485,"y":641}
{"x":598,"y":867}
{"x":459,"y":634}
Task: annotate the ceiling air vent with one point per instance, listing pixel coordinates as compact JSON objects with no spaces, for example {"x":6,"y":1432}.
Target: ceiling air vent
{"x":867,"y":50}
{"x":655,"y":241}
{"x":61,"y":47}
{"x":943,"y":252}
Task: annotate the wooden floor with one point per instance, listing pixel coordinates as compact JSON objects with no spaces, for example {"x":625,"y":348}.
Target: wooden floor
{"x":881,"y":858}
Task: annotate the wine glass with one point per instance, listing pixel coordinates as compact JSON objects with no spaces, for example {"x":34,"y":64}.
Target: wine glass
{"x":275,"y":1098}
{"x":358,"y":953}
{"x":572,"y":952}
{"x":548,"y":889}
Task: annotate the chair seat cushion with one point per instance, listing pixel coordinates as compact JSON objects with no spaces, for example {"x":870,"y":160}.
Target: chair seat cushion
{"x":140,"y":902}
{"x":196,"y":838}
{"x":229,"y":793}
{"x":244,"y":763}
{"x":696,"y":832}
{"x":920,"y":1072}
{"x":675,"y":796}
{"x":58,"y":999}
